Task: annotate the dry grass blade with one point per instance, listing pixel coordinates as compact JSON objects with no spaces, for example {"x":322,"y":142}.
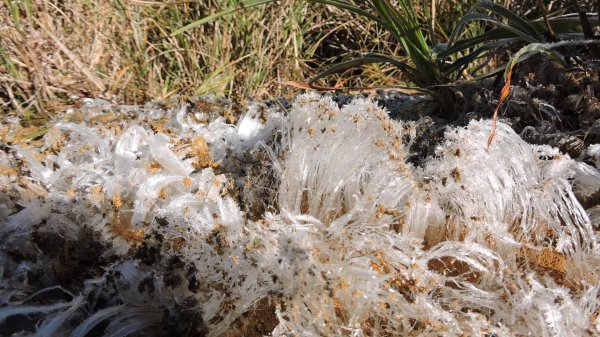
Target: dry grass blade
{"x":87,"y":72}
{"x":503,"y":95}
{"x":308,"y":86}
{"x":14,"y":101}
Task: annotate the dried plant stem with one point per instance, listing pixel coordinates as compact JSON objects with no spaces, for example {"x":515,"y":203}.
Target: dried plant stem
{"x":587,"y":29}
{"x":551,"y":34}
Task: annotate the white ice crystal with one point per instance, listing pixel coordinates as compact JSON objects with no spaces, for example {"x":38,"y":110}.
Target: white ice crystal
{"x":312,"y":215}
{"x":333,"y":173}
{"x":594,"y":152}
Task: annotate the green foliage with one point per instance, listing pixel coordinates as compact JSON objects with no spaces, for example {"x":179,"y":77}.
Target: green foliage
{"x":432,"y":66}
{"x":429,"y":65}
{"x":508,"y":28}
{"x":402,"y":23}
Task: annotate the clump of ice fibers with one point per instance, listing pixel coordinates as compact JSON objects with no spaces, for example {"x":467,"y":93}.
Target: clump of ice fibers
{"x":183,"y":222}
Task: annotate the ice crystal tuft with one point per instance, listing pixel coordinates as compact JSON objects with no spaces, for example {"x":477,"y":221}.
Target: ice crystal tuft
{"x":180,"y":222}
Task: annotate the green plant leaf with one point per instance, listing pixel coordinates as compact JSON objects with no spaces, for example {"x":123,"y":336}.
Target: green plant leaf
{"x":517,"y":21}
{"x":388,"y":16}
{"x":486,"y":18}
{"x":519,"y":26}
{"x":479,"y":52}
{"x":495,"y":34}
{"x":406,"y":29}
{"x":369,"y":59}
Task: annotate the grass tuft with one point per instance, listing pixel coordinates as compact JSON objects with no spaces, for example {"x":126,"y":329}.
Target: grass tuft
{"x":125,"y":51}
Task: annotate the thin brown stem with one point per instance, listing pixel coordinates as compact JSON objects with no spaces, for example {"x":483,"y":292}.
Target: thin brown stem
{"x":551,"y":34}
{"x":587,"y":29}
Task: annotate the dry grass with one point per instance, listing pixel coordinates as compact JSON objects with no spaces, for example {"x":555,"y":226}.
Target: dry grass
{"x":121,"y":50}
{"x":52,"y":51}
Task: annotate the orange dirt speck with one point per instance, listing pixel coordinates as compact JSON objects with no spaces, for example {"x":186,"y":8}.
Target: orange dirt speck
{"x":177,"y":243}
{"x":201,"y":153}
{"x":71,"y":192}
{"x":154,"y":167}
{"x":121,"y":225}
{"x":117,"y":202}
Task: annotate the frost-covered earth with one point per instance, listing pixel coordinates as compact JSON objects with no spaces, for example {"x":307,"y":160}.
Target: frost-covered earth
{"x":187,"y":221}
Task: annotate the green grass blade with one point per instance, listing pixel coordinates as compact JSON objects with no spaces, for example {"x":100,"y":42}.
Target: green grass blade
{"x":523,"y":28}
{"x":369,"y":59}
{"x":36,"y":134}
{"x":407,"y":25}
{"x":9,"y":64}
{"x":478,"y":53}
{"x":486,"y":18}
{"x":243,"y":5}
{"x":463,"y":44}
{"x":352,"y":8}
{"x":430,"y":22}
{"x":27,"y":6}
{"x":407,"y":31}
{"x":252,"y":3}
{"x":394,"y":26}
{"x":517,"y":21}
{"x":13,"y":7}
{"x":562,"y":25}
{"x":407,"y":87}
{"x":490,"y":74}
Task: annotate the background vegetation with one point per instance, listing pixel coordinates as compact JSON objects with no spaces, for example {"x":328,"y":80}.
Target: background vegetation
{"x":52,"y":52}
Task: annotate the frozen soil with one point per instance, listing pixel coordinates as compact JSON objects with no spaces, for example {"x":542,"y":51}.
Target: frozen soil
{"x":321,"y":216}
